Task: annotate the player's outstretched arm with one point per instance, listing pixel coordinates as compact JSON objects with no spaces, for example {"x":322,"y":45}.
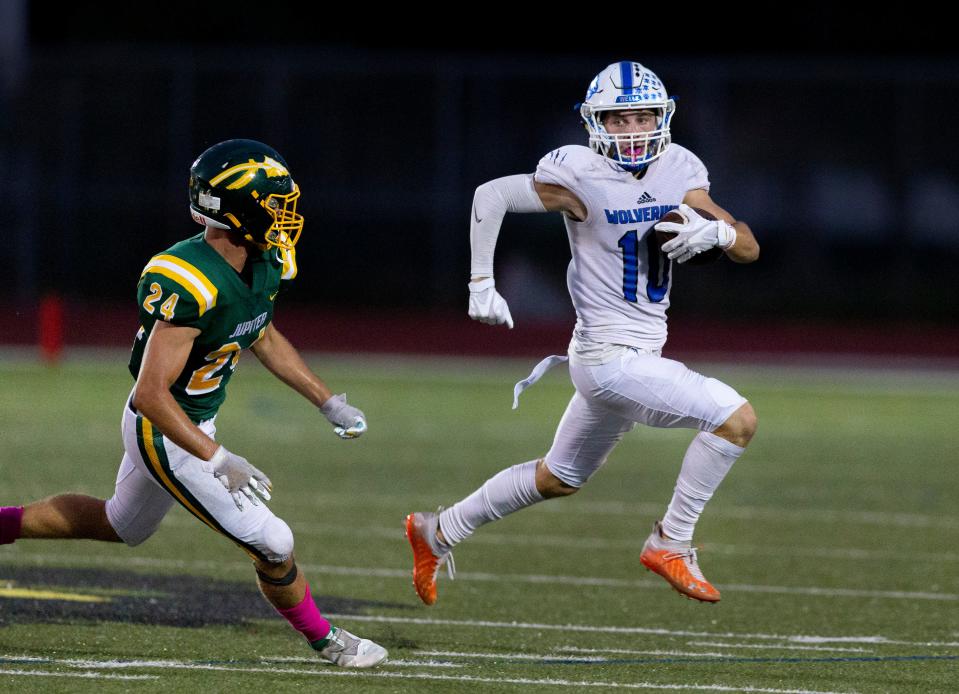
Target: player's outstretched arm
{"x":491,"y":202}
{"x":746,"y":248}
{"x":283,"y":360}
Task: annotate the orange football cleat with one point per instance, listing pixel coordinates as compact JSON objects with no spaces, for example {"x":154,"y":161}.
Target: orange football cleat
{"x":421,"y":532}
{"x":676,"y":562}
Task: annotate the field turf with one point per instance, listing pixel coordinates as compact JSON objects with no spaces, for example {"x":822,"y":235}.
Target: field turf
{"x":835,"y":541}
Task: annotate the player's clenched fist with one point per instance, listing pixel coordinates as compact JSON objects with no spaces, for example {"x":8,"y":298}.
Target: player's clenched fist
{"x":348,"y":422}
{"x":486,"y":305}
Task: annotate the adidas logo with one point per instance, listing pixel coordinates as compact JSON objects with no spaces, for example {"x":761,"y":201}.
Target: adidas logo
{"x":644,"y":198}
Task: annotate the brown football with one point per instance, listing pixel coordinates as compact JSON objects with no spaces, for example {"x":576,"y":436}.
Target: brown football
{"x":708,"y":256}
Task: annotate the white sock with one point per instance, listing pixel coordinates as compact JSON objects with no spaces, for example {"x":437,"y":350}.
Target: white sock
{"x":507,"y":491}
{"x":707,"y":461}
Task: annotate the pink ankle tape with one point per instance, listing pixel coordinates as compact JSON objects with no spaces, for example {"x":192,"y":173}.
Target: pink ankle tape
{"x":11,"y":518}
{"x":306,"y":619}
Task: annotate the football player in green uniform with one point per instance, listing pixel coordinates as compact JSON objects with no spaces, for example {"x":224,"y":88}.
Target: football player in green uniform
{"x":201,"y":303}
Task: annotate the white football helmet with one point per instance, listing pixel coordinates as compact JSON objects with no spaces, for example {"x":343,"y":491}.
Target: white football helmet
{"x":628,"y":86}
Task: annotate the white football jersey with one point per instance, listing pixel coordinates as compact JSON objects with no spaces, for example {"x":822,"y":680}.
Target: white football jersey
{"x":618,"y":279}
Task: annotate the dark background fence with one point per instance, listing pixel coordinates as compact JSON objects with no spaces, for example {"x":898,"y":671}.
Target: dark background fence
{"x":844,"y":161}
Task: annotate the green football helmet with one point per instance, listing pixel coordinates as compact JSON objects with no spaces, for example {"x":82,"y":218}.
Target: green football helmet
{"x":244,"y":186}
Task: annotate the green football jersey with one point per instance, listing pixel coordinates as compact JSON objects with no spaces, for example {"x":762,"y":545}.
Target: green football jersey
{"x":191,"y":284}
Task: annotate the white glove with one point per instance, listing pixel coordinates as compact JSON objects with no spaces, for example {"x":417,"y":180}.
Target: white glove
{"x":239,"y":477}
{"x":695,"y":235}
{"x":348,"y":422}
{"x":487,"y":306}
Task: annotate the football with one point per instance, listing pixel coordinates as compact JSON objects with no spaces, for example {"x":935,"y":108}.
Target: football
{"x":708,"y":256}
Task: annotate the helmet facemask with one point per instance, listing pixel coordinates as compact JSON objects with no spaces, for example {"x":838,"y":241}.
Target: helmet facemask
{"x":622,"y":147}
{"x":285,"y":230}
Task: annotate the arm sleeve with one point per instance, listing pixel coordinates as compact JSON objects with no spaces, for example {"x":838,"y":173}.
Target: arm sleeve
{"x":491,"y":202}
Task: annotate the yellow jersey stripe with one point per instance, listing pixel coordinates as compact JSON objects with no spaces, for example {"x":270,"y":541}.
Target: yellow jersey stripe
{"x":191,"y":269}
{"x":188,"y":277}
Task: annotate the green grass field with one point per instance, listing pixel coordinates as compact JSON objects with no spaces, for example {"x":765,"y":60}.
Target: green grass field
{"x":835,"y":541}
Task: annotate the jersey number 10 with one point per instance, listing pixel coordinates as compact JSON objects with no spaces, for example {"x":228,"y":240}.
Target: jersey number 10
{"x":657,"y":282}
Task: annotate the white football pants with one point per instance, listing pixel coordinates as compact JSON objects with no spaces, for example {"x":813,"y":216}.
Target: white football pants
{"x":155,"y":473}
{"x":636,"y":386}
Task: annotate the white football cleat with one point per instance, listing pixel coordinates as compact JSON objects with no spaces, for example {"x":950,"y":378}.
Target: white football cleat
{"x":348,"y":650}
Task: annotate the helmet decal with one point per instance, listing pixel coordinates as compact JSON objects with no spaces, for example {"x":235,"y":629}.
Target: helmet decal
{"x":270,"y":166}
{"x":594,"y":88}
{"x":209,"y":201}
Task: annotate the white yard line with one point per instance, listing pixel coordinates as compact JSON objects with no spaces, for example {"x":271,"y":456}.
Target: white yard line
{"x":422,"y":663}
{"x":588,"y":628}
{"x":381,"y":674}
{"x":81,"y":675}
{"x":782,"y":647}
{"x":392,"y":662}
{"x":628,"y":651}
{"x":538,"y":579}
{"x":841,"y":592}
{"x":570,"y":658}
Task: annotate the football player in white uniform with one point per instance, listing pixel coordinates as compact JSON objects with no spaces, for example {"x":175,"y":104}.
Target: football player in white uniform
{"x":611,"y":195}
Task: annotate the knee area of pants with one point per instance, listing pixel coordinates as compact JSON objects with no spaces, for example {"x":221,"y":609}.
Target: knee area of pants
{"x":277,"y":539}
{"x":130,"y":538}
